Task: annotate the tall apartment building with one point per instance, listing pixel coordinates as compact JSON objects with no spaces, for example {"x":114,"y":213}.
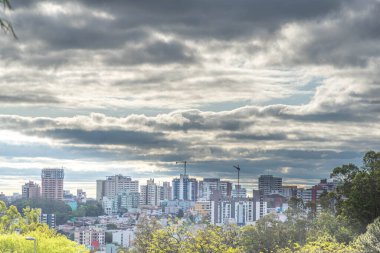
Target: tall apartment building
{"x":128,"y":200}
{"x":225,"y":211}
{"x":166,"y":191}
{"x":209,"y":185}
{"x":113,"y":185}
{"x":52,"y":184}
{"x":239,"y":192}
{"x":150,"y":193}
{"x":184,"y":188}
{"x":31,"y":190}
{"x":289,"y":191}
{"x":269,"y":184}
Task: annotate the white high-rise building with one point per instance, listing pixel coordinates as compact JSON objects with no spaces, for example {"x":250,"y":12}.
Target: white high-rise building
{"x":209,"y":185}
{"x":239,"y":192}
{"x":225,"y":211}
{"x":123,"y":238}
{"x":184,"y":188}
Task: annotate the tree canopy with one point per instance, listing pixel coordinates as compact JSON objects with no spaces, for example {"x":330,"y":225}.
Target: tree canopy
{"x":15,"y":228}
{"x":358,"y":193}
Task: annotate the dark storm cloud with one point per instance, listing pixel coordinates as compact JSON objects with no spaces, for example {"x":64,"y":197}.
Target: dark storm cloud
{"x":122,"y":31}
{"x":111,"y":137}
{"x":257,"y":137}
{"x":89,"y":25}
{"x":155,"y":52}
{"x":28,"y":99}
{"x":214,"y":19}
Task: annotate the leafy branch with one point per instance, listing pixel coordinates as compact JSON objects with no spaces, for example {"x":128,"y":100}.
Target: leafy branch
{"x":5,"y":25}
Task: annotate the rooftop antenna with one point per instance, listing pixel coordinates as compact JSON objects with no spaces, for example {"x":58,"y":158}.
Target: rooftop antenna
{"x":238,"y":187}
{"x":184,"y":165}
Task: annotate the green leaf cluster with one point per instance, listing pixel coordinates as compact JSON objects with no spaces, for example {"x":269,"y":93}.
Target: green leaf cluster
{"x":15,"y":228}
{"x":358,"y":194}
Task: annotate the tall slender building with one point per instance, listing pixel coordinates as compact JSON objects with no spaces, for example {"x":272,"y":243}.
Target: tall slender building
{"x":52,"y":184}
{"x":184,"y":188}
{"x":150,"y":194}
{"x":166,"y":191}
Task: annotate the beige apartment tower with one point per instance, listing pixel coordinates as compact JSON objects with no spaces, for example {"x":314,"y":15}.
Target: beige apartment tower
{"x":52,"y":184}
{"x":30,"y":190}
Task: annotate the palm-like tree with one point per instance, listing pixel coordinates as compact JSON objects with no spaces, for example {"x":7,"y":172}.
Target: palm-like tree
{"x":5,"y":25}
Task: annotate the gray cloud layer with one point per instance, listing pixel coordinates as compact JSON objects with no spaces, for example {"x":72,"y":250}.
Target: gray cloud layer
{"x":289,"y":86}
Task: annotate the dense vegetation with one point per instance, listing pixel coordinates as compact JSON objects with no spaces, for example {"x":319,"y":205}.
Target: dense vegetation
{"x":15,"y":228}
{"x":61,"y":210}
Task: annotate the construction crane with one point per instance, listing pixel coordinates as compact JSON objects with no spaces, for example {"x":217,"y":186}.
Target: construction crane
{"x":238,"y":186}
{"x":184,"y":164}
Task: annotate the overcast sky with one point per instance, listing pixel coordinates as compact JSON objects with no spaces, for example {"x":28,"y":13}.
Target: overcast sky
{"x":289,"y":88}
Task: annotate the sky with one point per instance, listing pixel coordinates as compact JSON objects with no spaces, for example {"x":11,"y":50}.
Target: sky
{"x":289,"y":88}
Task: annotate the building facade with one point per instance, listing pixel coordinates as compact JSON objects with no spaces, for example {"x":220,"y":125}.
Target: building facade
{"x":232,"y":211}
{"x":31,"y":190}
{"x":123,"y":238}
{"x":269,"y":184}
{"x":113,"y":185}
{"x":90,"y":236}
{"x":184,"y":188}
{"x":52,"y":184}
{"x":166,"y":191}
{"x":150,"y":194}
{"x":208,"y":185}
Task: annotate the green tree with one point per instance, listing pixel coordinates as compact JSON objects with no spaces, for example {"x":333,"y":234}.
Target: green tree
{"x":15,"y":227}
{"x":321,"y":245}
{"x":358,"y":194}
{"x":145,"y":229}
{"x":47,"y":241}
{"x":214,"y":239}
{"x":339,"y":228}
{"x":266,"y":235}
{"x":371,"y":239}
{"x":61,"y":210}
{"x":180,"y":214}
{"x":296,"y":225}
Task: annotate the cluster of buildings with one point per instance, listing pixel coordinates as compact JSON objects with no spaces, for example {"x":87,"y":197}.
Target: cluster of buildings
{"x":51,"y":188}
{"x":124,"y":200}
{"x":212,"y":197}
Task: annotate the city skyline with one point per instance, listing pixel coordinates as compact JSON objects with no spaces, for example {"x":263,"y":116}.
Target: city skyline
{"x":131,"y":87}
{"x":92,"y":192}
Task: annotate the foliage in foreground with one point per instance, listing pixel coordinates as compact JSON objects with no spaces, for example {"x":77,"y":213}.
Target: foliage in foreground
{"x":326,"y":233}
{"x":322,"y":245}
{"x":358,"y":195}
{"x":15,"y":228}
{"x":371,"y":239}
